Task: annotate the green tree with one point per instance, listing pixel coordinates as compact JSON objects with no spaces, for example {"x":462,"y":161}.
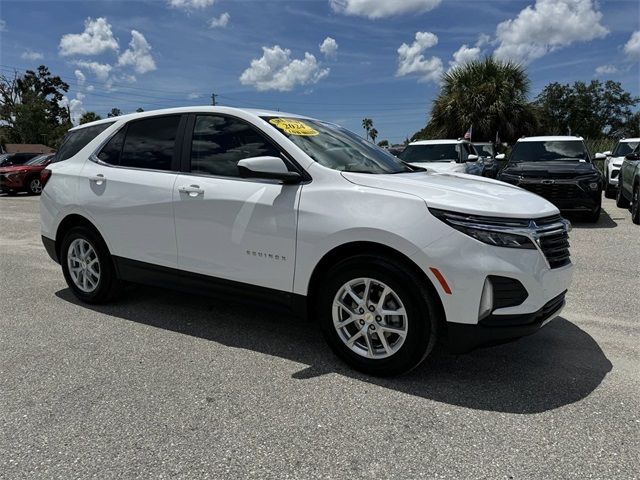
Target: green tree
{"x":489,"y":94}
{"x":383,"y":143}
{"x":139,"y":110}
{"x":32,"y":109}
{"x":89,"y":117}
{"x":373,"y":133}
{"x":592,"y":110}
{"x":367,"y":124}
{"x":115,"y":112}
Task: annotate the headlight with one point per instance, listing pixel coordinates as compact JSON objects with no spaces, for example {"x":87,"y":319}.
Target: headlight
{"x":498,"y":232}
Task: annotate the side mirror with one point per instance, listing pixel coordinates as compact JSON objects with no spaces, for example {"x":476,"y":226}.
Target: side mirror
{"x":472,"y":158}
{"x":607,"y":153}
{"x":272,"y":168}
{"x":500,"y":156}
{"x":633,"y":156}
{"x":600,"y":156}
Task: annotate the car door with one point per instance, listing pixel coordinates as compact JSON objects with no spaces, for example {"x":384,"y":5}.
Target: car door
{"x":236,"y":229}
{"x":127,"y":188}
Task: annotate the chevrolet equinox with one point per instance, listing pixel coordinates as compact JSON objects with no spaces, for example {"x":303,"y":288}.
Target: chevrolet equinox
{"x":261,"y":205}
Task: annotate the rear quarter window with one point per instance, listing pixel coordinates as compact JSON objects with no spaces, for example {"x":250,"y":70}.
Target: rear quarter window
{"x":76,"y":140}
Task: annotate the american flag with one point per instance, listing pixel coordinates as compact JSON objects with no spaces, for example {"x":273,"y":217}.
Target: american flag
{"x":467,"y":136}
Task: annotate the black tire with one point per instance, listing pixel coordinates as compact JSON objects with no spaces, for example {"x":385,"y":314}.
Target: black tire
{"x":635,"y":205}
{"x":621,"y":201}
{"x":609,"y":191}
{"x":109,"y":286}
{"x":33,"y":186}
{"x":420,"y":306}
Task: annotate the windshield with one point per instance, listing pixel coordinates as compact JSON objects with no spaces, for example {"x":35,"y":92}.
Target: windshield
{"x":441,"y":152}
{"x":39,"y":160}
{"x":484,"y":149}
{"x":13,"y":160}
{"x":549,"y":151}
{"x":624,"y":148}
{"x":337,"y":148}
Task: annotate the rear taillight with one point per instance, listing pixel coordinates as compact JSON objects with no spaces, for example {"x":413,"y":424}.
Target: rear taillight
{"x":45,"y":175}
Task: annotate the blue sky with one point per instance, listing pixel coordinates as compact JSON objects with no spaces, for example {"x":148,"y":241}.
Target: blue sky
{"x":162,"y":53}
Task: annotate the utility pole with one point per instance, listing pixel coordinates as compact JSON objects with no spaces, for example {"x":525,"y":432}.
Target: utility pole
{"x":213,"y":99}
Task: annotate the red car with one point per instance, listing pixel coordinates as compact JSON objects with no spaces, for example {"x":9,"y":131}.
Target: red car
{"x":25,"y":177}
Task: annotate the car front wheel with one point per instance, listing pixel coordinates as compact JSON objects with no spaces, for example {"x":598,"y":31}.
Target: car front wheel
{"x":34,"y":187}
{"x":621,"y":201}
{"x":377,"y":316}
{"x":87,"y":266}
{"x":635,"y":205}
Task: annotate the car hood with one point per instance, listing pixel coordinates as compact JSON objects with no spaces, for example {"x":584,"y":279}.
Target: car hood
{"x":441,"y":167}
{"x":617,"y":161}
{"x":18,"y":168}
{"x":461,"y":193}
{"x":560,"y":169}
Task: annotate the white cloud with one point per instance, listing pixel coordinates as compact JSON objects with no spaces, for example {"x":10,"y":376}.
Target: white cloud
{"x":329,"y":47}
{"x":90,"y":88}
{"x":547,"y":26}
{"x":632,"y":47}
{"x":483,"y":39}
{"x":190,"y":4}
{"x":382,"y":8}
{"x":80,"y":77}
{"x":100,"y":70}
{"x":220,"y":22}
{"x":276,"y":71}
{"x":138,"y":54}
{"x":96,"y":38}
{"x":464,"y":54}
{"x":606,"y":70}
{"x":411,"y":59}
{"x":75,"y":106}
{"x":31,"y":55}
{"x":193,"y":96}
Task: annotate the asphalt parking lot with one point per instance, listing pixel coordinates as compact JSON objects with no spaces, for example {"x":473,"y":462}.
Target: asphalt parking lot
{"x":161,"y":385}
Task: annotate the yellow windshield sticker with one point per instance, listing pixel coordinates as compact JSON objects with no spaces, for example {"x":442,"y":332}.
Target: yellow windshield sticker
{"x":293,"y":127}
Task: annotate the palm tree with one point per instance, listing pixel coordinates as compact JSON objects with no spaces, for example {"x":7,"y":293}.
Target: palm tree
{"x":489,"y":94}
{"x":367,"y":124}
{"x":373,"y":133}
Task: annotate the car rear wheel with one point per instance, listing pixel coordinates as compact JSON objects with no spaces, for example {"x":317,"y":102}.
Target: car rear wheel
{"x":635,"y":205}
{"x":377,"y":316}
{"x":87,"y":266}
{"x":621,"y":202}
{"x":609,"y":190}
{"x":34,"y":186}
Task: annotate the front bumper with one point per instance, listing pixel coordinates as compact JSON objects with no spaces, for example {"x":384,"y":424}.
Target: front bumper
{"x":567,"y":196}
{"x":498,"y":329}
{"x":613,"y":174}
{"x":12,"y":181}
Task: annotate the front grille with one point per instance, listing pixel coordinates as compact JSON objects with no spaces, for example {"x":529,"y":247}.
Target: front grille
{"x":553,"y":191}
{"x":553,"y":243}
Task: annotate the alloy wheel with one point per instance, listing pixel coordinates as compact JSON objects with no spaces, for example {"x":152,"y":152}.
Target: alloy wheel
{"x":35,"y":186}
{"x":84,"y":265}
{"x":370,"y":318}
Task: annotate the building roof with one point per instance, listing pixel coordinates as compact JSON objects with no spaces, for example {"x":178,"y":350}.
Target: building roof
{"x":27,"y":148}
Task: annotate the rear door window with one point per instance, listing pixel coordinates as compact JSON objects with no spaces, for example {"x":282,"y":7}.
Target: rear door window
{"x":150,"y":143}
{"x":76,"y":140}
{"x":111,"y":152}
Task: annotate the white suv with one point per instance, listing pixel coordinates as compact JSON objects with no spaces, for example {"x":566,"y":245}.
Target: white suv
{"x":613,"y":163}
{"x":444,"y":156}
{"x":388,"y":258}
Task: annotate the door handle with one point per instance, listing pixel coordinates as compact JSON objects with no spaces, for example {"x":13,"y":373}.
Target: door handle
{"x":191,"y":190}
{"x":98,"y":179}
